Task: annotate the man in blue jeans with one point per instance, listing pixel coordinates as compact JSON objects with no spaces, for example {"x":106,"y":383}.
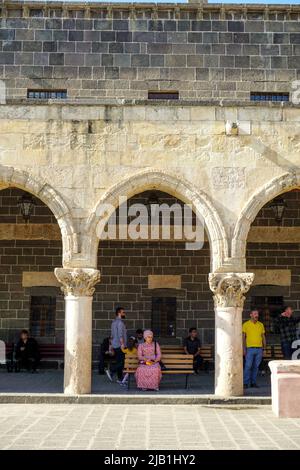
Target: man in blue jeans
{"x":254,"y":341}
{"x":119,"y":342}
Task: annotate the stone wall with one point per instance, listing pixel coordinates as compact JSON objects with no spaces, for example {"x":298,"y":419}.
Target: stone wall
{"x":17,"y":256}
{"x":291,"y":215}
{"x":124,"y":50}
{"x":125,"y":267}
{"x":10,"y":212}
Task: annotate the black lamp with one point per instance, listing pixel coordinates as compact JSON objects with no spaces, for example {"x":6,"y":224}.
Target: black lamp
{"x":278,"y":206}
{"x":26,"y":204}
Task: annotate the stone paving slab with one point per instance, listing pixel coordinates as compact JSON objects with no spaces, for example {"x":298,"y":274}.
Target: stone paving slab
{"x":148,"y":427}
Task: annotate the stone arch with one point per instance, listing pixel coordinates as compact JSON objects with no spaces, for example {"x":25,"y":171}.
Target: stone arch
{"x":258,"y":200}
{"x":10,"y":176}
{"x":171,"y":184}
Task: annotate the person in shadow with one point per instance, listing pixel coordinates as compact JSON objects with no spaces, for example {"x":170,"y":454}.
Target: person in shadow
{"x":27,"y":353}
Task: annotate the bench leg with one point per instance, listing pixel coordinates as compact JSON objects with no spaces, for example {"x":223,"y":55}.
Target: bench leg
{"x":186,"y":381}
{"x":128,"y":383}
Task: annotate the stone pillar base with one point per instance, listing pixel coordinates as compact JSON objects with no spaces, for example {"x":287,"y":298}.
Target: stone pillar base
{"x":285,"y":382}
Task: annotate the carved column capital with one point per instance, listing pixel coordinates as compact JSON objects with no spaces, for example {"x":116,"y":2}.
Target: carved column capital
{"x":79,"y":282}
{"x":229,"y":289}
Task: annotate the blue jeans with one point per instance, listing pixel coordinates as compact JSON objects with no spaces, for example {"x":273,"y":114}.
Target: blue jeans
{"x":286,"y":347}
{"x":253,"y":359}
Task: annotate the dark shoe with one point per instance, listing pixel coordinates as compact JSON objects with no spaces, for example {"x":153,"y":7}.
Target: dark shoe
{"x":246,"y":386}
{"x":254,"y":386}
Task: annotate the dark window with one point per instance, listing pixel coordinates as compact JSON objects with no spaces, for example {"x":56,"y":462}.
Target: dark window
{"x":262,"y":96}
{"x":47,"y":94}
{"x":164,"y":316}
{"x":163,"y":95}
{"x":42,"y":316}
{"x":269,"y":308}
{"x":36,"y":12}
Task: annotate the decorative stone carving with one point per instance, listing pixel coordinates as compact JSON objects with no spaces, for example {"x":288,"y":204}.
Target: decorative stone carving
{"x":228,"y":177}
{"x":78,"y":282}
{"x":229,"y":289}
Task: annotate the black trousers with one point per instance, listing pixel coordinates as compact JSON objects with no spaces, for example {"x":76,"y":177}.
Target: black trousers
{"x":198,"y":361}
{"x":119,"y":365}
{"x":104,"y":359}
{"x":27,"y":362}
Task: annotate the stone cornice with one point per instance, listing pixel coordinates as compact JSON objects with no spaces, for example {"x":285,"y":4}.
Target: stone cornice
{"x":110,"y":102}
{"x":156,"y":7}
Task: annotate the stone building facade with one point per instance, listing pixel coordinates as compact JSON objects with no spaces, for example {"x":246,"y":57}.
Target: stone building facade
{"x":220,"y":142}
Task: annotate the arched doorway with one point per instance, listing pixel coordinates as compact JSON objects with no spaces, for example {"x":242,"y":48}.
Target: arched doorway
{"x":31,"y":297}
{"x":161,"y":284}
{"x":273,"y":255}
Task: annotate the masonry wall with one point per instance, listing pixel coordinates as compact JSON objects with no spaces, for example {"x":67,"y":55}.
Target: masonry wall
{"x":123,"y":51}
{"x":125,"y":267}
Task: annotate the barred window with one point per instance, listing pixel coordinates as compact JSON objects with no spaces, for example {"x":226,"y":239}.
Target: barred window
{"x":163,"y":95}
{"x":164,"y":316}
{"x":42,"y":316}
{"x":46,"y":94}
{"x":262,"y":96}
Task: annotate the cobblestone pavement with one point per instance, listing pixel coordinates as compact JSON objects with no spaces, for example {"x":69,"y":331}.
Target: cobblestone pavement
{"x":147,"y":427}
{"x":52,"y":382}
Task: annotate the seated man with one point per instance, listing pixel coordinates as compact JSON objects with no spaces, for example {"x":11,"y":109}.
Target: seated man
{"x":27,"y":353}
{"x":106,"y":354}
{"x":139,"y":336}
{"x":191,"y":345}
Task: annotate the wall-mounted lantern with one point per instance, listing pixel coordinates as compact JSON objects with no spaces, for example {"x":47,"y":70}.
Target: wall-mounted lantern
{"x":26,"y":204}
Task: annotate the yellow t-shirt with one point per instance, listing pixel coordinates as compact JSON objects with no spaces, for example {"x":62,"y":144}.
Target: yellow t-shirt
{"x":127,"y":351}
{"x":254,"y":332}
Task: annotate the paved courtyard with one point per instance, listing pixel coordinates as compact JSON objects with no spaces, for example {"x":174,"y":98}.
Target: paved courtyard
{"x":51,"y":381}
{"x":148,"y":427}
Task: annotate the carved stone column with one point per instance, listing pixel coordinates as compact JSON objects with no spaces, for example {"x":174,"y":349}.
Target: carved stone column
{"x":78,"y":287}
{"x":229,"y":291}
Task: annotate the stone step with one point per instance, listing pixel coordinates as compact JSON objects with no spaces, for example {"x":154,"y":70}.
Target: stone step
{"x":146,"y":398}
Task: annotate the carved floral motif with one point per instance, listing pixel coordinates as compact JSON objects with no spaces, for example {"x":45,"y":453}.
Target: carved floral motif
{"x":229,"y":289}
{"x":78,"y":282}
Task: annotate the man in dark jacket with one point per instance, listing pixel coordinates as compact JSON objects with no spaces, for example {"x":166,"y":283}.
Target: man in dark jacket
{"x":27,"y":352}
{"x":192,"y":345}
{"x":286,"y":324}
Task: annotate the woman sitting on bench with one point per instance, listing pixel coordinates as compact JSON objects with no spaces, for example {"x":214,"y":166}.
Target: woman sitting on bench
{"x":148,"y":374}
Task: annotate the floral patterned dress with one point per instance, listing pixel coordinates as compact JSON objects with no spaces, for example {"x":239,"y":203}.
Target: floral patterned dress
{"x":148,"y":377}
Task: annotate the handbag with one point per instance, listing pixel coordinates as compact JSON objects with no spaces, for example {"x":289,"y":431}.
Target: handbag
{"x":162,"y":365}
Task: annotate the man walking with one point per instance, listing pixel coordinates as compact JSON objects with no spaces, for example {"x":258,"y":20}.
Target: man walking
{"x":287,"y":326}
{"x":118,"y":342}
{"x":254,"y":341}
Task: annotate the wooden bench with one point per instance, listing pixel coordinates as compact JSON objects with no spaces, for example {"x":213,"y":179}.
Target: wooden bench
{"x":277,"y":352}
{"x":206,"y":352}
{"x":175,"y":364}
{"x":49,"y":353}
{"x":267,"y":356}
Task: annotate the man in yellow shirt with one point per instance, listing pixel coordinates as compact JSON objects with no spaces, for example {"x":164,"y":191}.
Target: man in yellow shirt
{"x":254,"y":341}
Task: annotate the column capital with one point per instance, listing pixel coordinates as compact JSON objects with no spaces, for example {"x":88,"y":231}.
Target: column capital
{"x":229,"y":289}
{"x":78,"y":282}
